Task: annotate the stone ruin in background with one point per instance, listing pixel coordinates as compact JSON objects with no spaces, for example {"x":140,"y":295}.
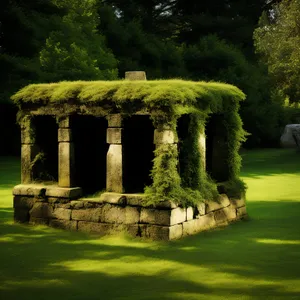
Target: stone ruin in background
{"x":86,"y":154}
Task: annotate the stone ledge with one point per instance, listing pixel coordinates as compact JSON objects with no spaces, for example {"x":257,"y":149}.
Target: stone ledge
{"x":129,"y":199}
{"x":237,"y":203}
{"x":200,"y":224}
{"x":111,"y":218}
{"x":222,"y":202}
{"x":40,"y":190}
{"x":164,"y":233}
{"x":163,"y":217}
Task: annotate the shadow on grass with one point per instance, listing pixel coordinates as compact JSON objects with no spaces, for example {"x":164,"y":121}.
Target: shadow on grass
{"x":254,"y":259}
{"x":267,"y":162}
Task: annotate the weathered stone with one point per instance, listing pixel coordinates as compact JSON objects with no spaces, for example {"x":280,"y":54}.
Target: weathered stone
{"x":223,"y":201}
{"x":114,"y":198}
{"x":64,"y":122}
{"x":133,"y":230}
{"x":163,"y":217}
{"x":63,"y":205}
{"x":27,"y":190}
{"x":21,"y":215}
{"x":230,"y":213}
{"x":165,"y":204}
{"x":53,"y":200}
{"x":242,"y":212}
{"x":38,"y":221}
{"x":41,"y":210}
{"x":132,"y":215}
{"x":191,"y":227}
{"x":59,"y":192}
{"x":201,"y":207}
{"x":28,"y":153}
{"x":63,"y":224}
{"x":113,"y":214}
{"x":114,"y":120}
{"x":114,"y":135}
{"x":200,"y":224}
{"x":164,"y":233}
{"x":175,"y":232}
{"x":139,"y":200}
{"x":189,"y":213}
{"x":88,"y":204}
{"x":65,"y":164}
{"x":220,"y":217}
{"x":202,"y":149}
{"x":52,"y":192}
{"x":237,"y":202}
{"x":91,"y":215}
{"x":99,"y":228}
{"x":64,"y":135}
{"x":114,"y":175}
{"x":23,"y":202}
{"x":135,"y":75}
{"x":164,"y":137}
{"x":62,"y":213}
{"x":289,"y":136}
{"x":27,"y":136}
{"x":77,"y":204}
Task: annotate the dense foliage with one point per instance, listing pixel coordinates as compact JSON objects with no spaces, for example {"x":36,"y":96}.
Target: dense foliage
{"x":277,"y":40}
{"x":51,"y":40}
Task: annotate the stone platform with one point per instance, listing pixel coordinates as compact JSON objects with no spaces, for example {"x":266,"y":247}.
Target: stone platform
{"x":113,"y":212}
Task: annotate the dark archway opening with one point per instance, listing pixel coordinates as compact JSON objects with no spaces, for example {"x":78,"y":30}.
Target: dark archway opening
{"x":216,"y":148}
{"x":45,"y":167}
{"x":90,"y":149}
{"x":138,"y":153}
{"x":184,"y":146}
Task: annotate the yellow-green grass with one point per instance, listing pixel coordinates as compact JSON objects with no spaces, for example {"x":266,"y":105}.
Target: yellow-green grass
{"x":255,"y":259}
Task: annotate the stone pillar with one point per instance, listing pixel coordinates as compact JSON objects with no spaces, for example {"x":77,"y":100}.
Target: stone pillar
{"x":65,"y":154}
{"x":29,"y":150}
{"x":202,"y":149}
{"x":114,"y":163}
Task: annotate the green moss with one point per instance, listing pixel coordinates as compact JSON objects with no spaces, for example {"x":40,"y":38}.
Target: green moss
{"x":162,"y":94}
{"x":165,"y":101}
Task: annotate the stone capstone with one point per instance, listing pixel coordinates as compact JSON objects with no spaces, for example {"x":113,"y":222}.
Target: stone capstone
{"x":221,"y":202}
{"x":135,"y":75}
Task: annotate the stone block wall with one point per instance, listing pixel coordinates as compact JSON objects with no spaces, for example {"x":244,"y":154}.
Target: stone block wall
{"x":113,"y":213}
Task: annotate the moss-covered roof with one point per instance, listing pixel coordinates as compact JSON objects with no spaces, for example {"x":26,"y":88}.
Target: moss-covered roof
{"x":148,"y":94}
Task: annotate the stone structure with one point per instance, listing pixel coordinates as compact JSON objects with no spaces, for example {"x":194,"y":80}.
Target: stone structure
{"x":63,"y":202}
{"x":291,"y":136}
{"x":114,"y":212}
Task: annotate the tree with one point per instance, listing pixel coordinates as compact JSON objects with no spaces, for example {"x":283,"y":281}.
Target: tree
{"x":76,"y":51}
{"x":277,"y":40}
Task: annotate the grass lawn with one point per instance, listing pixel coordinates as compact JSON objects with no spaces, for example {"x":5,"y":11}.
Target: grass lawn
{"x":256,"y":259}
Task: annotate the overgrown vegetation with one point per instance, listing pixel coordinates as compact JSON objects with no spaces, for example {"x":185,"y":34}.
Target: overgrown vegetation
{"x":165,"y":101}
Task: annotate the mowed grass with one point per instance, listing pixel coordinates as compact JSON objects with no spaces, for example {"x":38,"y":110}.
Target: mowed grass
{"x":255,"y":259}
